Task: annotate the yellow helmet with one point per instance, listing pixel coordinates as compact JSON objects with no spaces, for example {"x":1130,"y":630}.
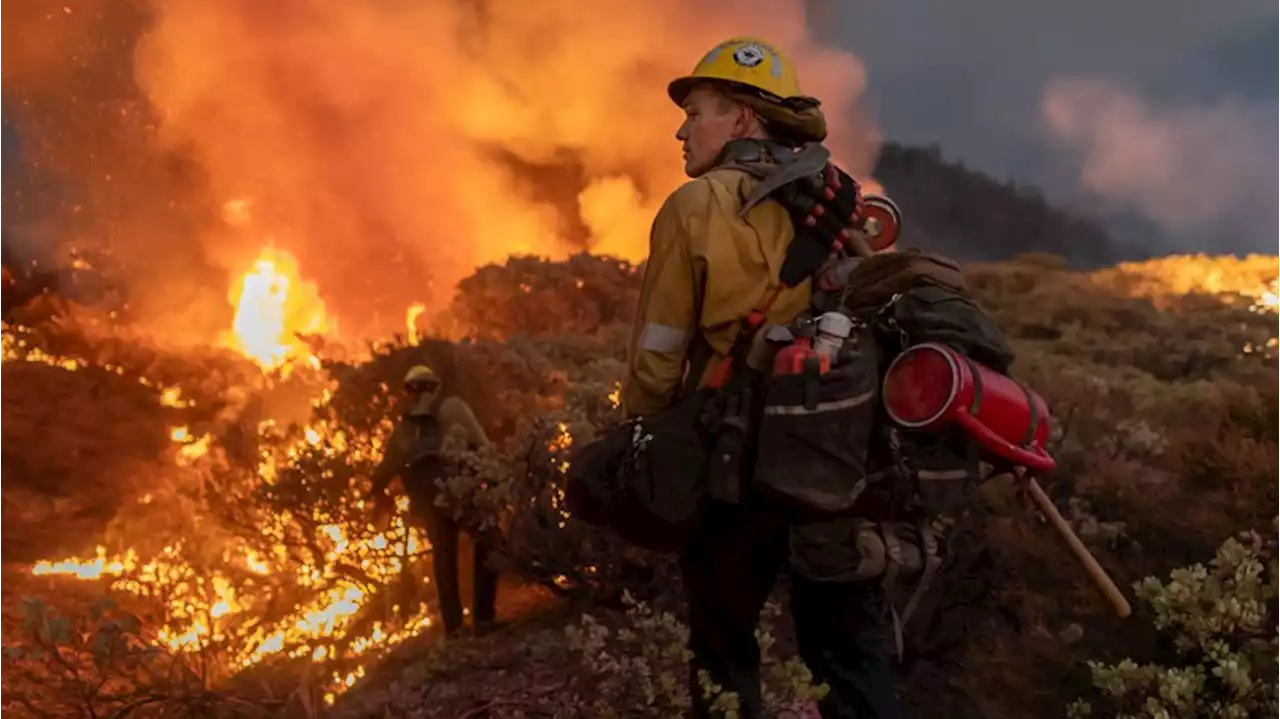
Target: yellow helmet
{"x":746,"y":61}
{"x":420,"y":375}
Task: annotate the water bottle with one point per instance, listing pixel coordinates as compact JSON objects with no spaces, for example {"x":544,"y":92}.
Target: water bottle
{"x":832,"y":331}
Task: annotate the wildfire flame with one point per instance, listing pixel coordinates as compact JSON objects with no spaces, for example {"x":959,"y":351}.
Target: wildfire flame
{"x":411,"y":321}
{"x":273,"y":306}
{"x":1268,"y":300}
{"x":223,"y":609}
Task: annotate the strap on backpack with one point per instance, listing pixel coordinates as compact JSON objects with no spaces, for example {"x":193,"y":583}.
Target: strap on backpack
{"x":928,"y":546}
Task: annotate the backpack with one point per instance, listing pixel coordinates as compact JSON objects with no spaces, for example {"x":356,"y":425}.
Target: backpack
{"x":874,"y":500}
{"x":645,"y":477}
{"x":423,"y":434}
{"x":826,"y":448}
{"x":816,"y":443}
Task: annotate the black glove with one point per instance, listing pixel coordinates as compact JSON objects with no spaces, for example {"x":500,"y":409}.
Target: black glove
{"x":823,"y":209}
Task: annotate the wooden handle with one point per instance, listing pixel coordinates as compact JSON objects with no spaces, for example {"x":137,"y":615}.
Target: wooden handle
{"x":1109,"y":590}
{"x":859,"y":242}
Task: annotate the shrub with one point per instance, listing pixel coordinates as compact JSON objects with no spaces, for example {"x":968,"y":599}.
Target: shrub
{"x":644,"y":663}
{"x":1220,"y":622}
{"x":102,"y":663}
{"x":1164,"y":431}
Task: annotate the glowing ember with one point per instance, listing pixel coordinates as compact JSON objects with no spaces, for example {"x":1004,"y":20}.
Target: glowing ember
{"x":273,"y":306}
{"x":95,"y":568}
{"x":16,"y":347}
{"x":1268,"y":300}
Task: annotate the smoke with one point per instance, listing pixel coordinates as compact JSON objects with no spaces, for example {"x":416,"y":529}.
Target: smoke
{"x":82,"y":174}
{"x":391,"y":146}
{"x":1203,"y":173}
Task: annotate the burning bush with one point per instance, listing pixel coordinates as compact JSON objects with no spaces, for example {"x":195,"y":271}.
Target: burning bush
{"x":254,"y":545}
{"x":102,"y":664}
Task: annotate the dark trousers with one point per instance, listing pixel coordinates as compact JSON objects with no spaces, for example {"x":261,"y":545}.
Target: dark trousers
{"x":443,"y":532}
{"x":729,"y":571}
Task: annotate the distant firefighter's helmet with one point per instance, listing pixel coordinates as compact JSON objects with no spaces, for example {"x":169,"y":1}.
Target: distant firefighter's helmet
{"x":421,"y":377}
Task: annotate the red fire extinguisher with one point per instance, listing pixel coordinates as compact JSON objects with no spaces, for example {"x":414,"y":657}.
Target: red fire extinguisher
{"x":930,"y":386}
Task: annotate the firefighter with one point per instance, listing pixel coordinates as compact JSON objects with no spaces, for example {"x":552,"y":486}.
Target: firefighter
{"x":708,"y":267}
{"x":414,"y":455}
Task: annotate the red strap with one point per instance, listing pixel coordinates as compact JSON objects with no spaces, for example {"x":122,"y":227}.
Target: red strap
{"x":755,"y":318}
{"x":719,"y":375}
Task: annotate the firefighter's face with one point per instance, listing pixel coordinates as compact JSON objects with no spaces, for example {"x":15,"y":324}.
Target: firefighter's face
{"x":711,"y":120}
{"x":418,"y":391}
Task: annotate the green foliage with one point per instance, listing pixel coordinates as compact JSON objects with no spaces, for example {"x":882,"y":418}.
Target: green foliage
{"x":644,"y":663}
{"x":1221,"y":622}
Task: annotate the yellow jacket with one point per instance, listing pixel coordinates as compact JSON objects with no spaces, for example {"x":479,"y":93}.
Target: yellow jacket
{"x":708,"y":268}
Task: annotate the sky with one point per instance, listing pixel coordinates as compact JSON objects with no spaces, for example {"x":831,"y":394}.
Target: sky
{"x":1161,"y":111}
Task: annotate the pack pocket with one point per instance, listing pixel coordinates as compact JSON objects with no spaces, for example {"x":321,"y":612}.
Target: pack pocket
{"x":945,"y":471}
{"x":593,"y":486}
{"x":854,"y":550}
{"x":814,"y":435}
{"x":645,"y":478}
{"x":931,"y":314}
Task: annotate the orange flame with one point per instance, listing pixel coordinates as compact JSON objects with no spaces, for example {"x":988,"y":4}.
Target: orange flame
{"x":273,"y":305}
{"x":411,"y":321}
{"x":221,"y":609}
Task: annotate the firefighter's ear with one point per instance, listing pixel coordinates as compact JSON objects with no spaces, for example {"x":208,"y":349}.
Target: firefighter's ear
{"x":746,"y":122}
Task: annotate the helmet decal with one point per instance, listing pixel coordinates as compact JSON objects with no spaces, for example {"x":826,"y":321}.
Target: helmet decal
{"x":745,"y":61}
{"x":749,"y":55}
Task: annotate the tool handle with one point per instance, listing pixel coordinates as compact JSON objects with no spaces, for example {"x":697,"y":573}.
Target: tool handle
{"x":1082,"y":554}
{"x":859,"y":243}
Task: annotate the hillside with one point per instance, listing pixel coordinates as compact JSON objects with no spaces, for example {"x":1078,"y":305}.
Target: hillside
{"x":227,"y":567}
{"x":971,"y":216}
{"x":240,"y":548}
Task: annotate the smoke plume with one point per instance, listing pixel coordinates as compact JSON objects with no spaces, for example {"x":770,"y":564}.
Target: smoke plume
{"x":392,"y":146}
{"x":1203,"y":173}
